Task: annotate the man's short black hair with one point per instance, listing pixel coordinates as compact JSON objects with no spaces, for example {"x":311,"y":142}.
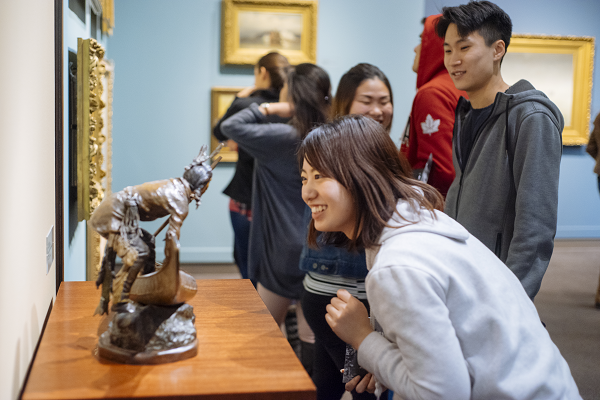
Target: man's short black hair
{"x":483,"y":17}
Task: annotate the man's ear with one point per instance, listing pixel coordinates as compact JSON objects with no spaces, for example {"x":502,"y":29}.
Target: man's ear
{"x":499,"y":49}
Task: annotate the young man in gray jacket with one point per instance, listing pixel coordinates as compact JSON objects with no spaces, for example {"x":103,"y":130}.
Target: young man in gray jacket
{"x":507,"y":145}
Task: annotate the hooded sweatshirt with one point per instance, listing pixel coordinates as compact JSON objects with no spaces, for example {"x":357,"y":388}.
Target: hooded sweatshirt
{"x":507,"y":193}
{"x":457,"y":323}
{"x":432,"y":115}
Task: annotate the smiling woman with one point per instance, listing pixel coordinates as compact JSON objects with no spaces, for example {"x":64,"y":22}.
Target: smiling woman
{"x":428,"y":281}
{"x":356,"y":153}
{"x":365,"y":90}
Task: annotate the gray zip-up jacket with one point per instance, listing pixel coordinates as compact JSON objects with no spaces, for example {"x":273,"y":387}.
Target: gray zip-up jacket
{"x":514,"y":216}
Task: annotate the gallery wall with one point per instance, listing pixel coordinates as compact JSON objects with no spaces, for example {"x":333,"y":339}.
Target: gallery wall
{"x":578,"y":199}
{"x":167,"y":57}
{"x":27,"y":180}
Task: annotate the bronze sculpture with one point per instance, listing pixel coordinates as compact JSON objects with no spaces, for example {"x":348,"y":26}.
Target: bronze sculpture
{"x":163,"y":290}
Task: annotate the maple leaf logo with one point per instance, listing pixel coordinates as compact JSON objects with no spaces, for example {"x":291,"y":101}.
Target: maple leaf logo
{"x":430,"y":125}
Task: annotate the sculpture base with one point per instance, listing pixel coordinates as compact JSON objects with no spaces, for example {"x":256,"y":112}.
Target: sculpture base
{"x":149,"y":334}
{"x":113,"y":353}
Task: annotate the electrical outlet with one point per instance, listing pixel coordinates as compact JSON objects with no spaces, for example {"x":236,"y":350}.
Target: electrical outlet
{"x":49,"y":249}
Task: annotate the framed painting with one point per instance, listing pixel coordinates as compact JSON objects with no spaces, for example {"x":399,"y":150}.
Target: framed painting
{"x":220,"y":100}
{"x":253,"y":28}
{"x":561,"y":67}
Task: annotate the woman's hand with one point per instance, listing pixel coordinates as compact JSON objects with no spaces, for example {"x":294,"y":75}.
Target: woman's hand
{"x":367,"y":383}
{"x":282,"y":109}
{"x":246,"y":92}
{"x":348,"y":318}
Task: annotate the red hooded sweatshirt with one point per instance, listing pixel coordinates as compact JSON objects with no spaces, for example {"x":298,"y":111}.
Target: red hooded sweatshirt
{"x":432,"y":116}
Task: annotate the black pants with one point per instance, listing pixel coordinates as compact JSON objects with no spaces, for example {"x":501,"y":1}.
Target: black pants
{"x":330,"y":350}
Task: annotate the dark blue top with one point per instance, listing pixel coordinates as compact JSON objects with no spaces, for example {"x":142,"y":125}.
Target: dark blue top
{"x":331,"y":260}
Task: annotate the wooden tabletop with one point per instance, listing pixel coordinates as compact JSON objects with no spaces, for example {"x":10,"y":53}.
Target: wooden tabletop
{"x":242,"y":354}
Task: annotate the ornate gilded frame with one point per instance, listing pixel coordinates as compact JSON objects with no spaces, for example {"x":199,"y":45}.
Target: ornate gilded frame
{"x":220,"y":100}
{"x":581,"y":49}
{"x":232,"y":53}
{"x":90,"y":191}
{"x":95,"y":242}
{"x":94,"y":140}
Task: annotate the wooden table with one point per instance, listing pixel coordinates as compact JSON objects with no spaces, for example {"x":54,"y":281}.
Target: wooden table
{"x":242,"y":354}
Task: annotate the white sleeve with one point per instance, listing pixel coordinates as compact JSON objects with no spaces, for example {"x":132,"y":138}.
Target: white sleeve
{"x":420,"y":356}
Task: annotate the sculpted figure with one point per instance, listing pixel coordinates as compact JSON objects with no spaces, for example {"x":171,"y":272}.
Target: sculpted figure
{"x":117,"y":219}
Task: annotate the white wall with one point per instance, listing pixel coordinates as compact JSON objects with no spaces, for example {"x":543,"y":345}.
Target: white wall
{"x":26,"y":182}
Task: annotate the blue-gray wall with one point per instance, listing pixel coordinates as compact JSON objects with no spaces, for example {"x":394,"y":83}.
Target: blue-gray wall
{"x":166,"y":56}
{"x":579,"y":202}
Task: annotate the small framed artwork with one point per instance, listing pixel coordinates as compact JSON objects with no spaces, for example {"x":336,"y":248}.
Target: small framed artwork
{"x":561,"y":67}
{"x":253,"y":28}
{"x":220,"y":100}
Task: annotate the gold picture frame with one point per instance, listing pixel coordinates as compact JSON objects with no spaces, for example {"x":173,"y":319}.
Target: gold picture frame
{"x":220,"y":100}
{"x":561,"y":67}
{"x":90,"y":132}
{"x":252,"y":28}
{"x":95,"y":242}
{"x":95,"y":81}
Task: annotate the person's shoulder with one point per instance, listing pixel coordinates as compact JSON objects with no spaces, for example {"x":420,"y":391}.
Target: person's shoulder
{"x":536,"y":105}
{"x":525,"y":98}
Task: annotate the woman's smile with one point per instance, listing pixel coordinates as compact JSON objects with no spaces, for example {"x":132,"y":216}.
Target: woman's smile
{"x":317,"y":209}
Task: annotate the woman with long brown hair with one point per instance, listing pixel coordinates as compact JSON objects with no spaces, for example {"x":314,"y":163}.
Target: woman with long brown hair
{"x":270,"y":73}
{"x":276,"y":232}
{"x":456,"y":321}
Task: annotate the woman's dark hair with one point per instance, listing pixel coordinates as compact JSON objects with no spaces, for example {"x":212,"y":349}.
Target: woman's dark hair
{"x":350,"y":81}
{"x":357,"y":152}
{"x":309,"y":90}
{"x":484,"y":17}
{"x":277,"y":66}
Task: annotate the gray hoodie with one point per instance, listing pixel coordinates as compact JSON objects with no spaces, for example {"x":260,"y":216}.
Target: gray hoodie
{"x":456,"y":322}
{"x":514,"y":216}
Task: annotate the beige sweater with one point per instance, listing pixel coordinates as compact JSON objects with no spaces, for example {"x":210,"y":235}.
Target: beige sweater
{"x":593,"y":144}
